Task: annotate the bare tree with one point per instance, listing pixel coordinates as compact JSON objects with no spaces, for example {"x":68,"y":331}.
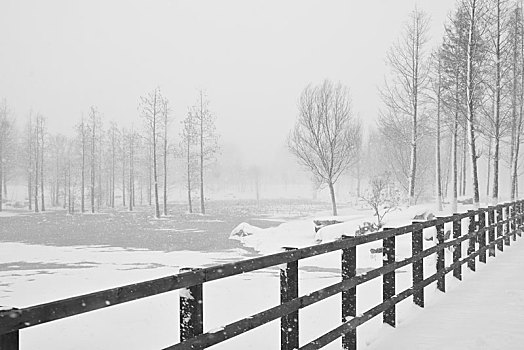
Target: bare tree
{"x":165,"y":126}
{"x":30,"y":159}
{"x":82,"y":129}
{"x":131,"y":141}
{"x":113,"y":130}
{"x":326,"y":136}
{"x":473,"y":80}
{"x":402,"y":94}
{"x":6,"y":127}
{"x":122,"y":143}
{"x":517,"y":67}
{"x":381,"y":197}
{"x":207,"y":138}
{"x":94,"y":133}
{"x":498,"y":50}
{"x":454,"y":49}
{"x":188,"y":142}
{"x":151,"y":109}
{"x":40,"y":137}
{"x":437,"y":91}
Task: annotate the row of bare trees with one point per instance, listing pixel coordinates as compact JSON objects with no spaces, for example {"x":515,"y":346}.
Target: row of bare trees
{"x":469,"y":89}
{"x":95,"y":166}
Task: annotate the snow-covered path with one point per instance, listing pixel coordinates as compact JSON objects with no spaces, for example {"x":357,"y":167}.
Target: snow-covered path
{"x":484,"y":311}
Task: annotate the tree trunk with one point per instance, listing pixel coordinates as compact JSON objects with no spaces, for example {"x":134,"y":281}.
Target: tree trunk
{"x":64,"y":198}
{"x":358,"y":176}
{"x":202,"y":207}
{"x":488,"y":173}
{"x":518,"y":124}
{"x":57,"y":188}
{"x":123,"y":172}
{"x":464,"y":158}
{"x":113,"y":169}
{"x":93,"y":135}
{"x":454,"y":157}
{"x":131,"y":170}
{"x":454,"y":141}
{"x":37,"y":163}
{"x":1,"y":168}
{"x":438,"y":179}
{"x":495,"y":191}
{"x":333,"y":201}
{"x":155,"y":175}
{"x":471,"y":111}
{"x":69,"y":185}
{"x":30,"y":172}
{"x":149,"y":168}
{"x":189,"y":201}
{"x":42,"y":207}
{"x":165,"y":162}
{"x":100,"y":191}
{"x":82,"y":191}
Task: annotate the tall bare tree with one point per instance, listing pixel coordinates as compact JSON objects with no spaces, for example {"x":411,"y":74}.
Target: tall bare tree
{"x":498,"y":50}
{"x":165,"y":121}
{"x":151,"y":111}
{"x":475,"y":10}
{"x":326,"y":136}
{"x":188,"y":142}
{"x":403,"y":92}
{"x":6,"y":127}
{"x":517,"y":67}
{"x":30,"y":159}
{"x":40,"y":124}
{"x":131,"y":142}
{"x":93,"y":118}
{"x":437,"y":89}
{"x":82,"y":129}
{"x":207,"y":138}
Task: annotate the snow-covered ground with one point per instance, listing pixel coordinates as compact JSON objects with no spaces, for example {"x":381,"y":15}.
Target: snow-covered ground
{"x":484,"y":311}
{"x":33,"y":273}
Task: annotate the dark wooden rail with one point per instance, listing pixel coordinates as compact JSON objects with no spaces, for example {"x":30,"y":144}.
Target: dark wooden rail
{"x":489,"y":229}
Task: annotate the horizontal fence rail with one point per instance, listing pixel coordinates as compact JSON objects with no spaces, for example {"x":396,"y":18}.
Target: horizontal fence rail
{"x":489,"y":229}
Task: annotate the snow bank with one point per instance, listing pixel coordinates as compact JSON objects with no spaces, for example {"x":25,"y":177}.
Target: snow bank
{"x":243,"y":230}
{"x":296,"y":234}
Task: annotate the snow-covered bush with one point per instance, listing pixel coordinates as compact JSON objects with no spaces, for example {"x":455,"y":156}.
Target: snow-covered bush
{"x":382,"y":196}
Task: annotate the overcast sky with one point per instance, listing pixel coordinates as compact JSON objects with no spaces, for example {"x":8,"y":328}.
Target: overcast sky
{"x":252,"y":57}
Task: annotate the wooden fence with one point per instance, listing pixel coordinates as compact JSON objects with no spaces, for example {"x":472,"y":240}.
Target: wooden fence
{"x":489,"y":230}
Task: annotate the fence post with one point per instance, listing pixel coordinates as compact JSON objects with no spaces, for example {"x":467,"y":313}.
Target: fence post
{"x":288,"y":292}
{"x":418,"y":266}
{"x":457,"y":248}
{"x":513,"y":212}
{"x":441,"y":282}
{"x":471,"y":247}
{"x":491,"y":238}
{"x":191,"y":310}
{"x":517,"y":219}
{"x":507,"y":238}
{"x":388,"y":279}
{"x":500,"y":245}
{"x":349,"y":297}
{"x":482,"y":237}
{"x":11,"y":340}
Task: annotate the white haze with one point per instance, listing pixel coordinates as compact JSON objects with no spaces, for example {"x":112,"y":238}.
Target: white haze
{"x":252,"y":57}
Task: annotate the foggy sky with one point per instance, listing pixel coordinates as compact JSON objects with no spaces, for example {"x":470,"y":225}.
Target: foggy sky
{"x":253,"y":58}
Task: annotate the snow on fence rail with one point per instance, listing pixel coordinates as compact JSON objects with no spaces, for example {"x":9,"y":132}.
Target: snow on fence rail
{"x":488,"y":228}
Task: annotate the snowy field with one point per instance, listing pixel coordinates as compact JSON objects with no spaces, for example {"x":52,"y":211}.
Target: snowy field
{"x":45,"y":257}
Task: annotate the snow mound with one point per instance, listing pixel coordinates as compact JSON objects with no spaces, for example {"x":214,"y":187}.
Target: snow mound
{"x":333,"y":232}
{"x":297,"y":234}
{"x":243,"y":230}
